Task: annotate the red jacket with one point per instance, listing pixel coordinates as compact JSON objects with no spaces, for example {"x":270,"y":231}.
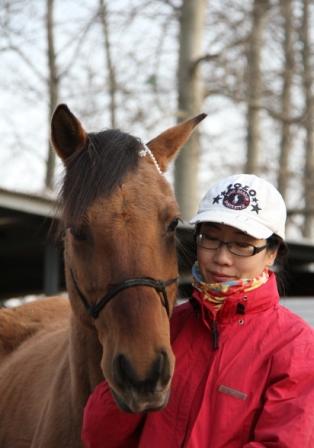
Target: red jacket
{"x":256,"y":390}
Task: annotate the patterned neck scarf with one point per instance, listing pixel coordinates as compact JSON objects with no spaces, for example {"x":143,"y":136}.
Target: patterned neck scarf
{"x":217,"y":293}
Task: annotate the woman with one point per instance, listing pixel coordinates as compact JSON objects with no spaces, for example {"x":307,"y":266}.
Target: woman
{"x":244,"y":373}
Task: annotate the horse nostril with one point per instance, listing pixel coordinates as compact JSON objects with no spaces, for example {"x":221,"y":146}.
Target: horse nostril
{"x":123,"y":371}
{"x":125,"y":374}
{"x":161,"y":369}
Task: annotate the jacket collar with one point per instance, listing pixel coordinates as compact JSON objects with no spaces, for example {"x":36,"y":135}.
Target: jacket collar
{"x":260,"y":299}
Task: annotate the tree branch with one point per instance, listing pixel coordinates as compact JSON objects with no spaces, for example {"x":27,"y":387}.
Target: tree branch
{"x":77,"y":48}
{"x":27,"y":61}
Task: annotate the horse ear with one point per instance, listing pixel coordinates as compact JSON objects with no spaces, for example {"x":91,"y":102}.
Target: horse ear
{"x":166,"y":144}
{"x":67,"y":133}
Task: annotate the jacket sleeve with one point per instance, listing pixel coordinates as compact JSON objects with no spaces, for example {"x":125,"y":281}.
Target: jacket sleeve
{"x":286,"y":419}
{"x":105,"y":425}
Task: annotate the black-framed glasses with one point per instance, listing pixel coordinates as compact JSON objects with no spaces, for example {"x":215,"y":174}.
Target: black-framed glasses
{"x":240,"y":249}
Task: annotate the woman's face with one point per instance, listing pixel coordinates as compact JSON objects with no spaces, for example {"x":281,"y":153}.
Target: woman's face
{"x":220,"y":265}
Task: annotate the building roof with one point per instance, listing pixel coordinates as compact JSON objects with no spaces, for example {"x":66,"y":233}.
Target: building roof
{"x":43,"y":204}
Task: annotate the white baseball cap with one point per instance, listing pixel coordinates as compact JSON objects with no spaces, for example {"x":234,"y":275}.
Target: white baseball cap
{"x":246,"y":202}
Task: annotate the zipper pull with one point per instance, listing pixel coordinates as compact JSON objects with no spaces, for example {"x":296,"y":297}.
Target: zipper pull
{"x":215,"y":334}
{"x":240,"y":308}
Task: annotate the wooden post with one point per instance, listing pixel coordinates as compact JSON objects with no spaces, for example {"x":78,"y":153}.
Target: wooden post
{"x":51,"y":269}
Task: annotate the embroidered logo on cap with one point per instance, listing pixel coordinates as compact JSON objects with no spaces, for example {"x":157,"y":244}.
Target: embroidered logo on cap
{"x":238,"y":197}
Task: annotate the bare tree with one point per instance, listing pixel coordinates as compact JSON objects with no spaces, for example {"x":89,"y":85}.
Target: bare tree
{"x":222,"y":50}
{"x":309,"y":120}
{"x":190,"y":99}
{"x":111,"y":85}
{"x":286,"y":96}
{"x":53,"y":88}
{"x":254,"y":81}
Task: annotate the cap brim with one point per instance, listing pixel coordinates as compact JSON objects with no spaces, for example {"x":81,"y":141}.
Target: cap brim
{"x":241,"y":222}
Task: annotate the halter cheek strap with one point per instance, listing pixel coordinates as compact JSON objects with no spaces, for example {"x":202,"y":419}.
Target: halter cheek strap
{"x":159,"y":285}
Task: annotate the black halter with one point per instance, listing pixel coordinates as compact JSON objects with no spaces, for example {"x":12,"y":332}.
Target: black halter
{"x":159,"y":285}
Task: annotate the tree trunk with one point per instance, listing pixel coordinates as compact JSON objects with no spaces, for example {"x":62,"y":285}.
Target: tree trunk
{"x":190,"y":99}
{"x":259,"y":16}
{"x":53,"y":90}
{"x":111,"y":72}
{"x":309,"y":121}
{"x":286,"y":103}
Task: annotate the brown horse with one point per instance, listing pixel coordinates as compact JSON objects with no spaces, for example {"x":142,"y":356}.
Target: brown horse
{"x":119,"y":217}
{"x":20,"y":323}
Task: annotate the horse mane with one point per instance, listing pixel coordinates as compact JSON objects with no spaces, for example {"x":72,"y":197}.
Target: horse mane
{"x":96,"y":170}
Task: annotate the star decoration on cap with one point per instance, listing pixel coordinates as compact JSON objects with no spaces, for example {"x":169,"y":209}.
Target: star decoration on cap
{"x":255,"y":208}
{"x":217,"y":199}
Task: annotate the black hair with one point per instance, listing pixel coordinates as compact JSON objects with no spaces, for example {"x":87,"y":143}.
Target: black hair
{"x":275,"y":242}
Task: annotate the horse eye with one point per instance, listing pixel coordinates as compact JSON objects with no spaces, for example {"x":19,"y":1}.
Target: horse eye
{"x":173,"y":225}
{"x":78,"y":234}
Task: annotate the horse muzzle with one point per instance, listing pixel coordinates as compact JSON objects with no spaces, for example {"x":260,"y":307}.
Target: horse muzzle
{"x":135,"y":394}
{"x":135,"y":403}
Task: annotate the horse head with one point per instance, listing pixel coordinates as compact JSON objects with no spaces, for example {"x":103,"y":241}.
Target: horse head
{"x":120,"y":215}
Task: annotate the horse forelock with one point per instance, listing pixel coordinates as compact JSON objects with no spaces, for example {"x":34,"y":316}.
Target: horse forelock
{"x":96,"y":171}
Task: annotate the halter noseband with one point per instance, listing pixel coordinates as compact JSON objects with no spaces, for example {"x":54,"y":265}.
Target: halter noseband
{"x":159,"y":285}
